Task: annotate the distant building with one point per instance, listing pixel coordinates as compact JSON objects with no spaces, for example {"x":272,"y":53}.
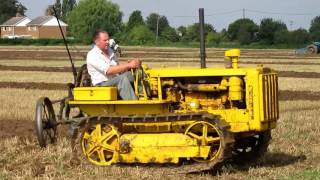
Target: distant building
{"x":15,"y":27}
{"x":46,"y":27}
{"x":40,"y":27}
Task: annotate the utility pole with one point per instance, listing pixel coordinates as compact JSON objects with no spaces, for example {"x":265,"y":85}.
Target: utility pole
{"x":291,"y":24}
{"x":243,"y":13}
{"x":157,"y":33}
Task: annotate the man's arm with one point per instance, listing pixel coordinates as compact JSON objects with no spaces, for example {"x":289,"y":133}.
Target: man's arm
{"x":112,"y":70}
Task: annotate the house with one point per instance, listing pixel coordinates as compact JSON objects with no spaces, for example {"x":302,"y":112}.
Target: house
{"x":15,"y":27}
{"x":46,"y":27}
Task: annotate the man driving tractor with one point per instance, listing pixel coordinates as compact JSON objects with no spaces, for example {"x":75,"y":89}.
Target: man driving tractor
{"x":106,"y":71}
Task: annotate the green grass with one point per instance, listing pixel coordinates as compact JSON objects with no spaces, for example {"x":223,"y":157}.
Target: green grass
{"x":308,"y":174}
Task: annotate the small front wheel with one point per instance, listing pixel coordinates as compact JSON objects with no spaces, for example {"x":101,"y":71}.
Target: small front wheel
{"x":312,"y":49}
{"x":45,"y":122}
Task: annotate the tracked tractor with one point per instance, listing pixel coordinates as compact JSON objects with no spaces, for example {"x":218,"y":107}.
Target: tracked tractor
{"x":195,"y":117}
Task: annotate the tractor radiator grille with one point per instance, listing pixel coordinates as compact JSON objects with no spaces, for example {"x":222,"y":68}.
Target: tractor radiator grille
{"x":270,"y":97}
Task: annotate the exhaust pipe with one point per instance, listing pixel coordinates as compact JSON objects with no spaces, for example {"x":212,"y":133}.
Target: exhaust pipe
{"x":202,"y":39}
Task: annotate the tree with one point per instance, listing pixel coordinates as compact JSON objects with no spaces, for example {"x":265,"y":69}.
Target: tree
{"x":281,"y":37}
{"x":90,"y":15}
{"x":244,"y":36}
{"x":155,"y":21}
{"x":268,"y":28}
{"x":20,"y":10}
{"x":193,"y":31}
{"x":140,"y":35}
{"x":9,"y":8}
{"x":224,"y":35}
{"x":170,"y":34}
{"x":182,"y":32}
{"x":315,"y":29}
{"x":299,"y":37}
{"x":135,"y":19}
{"x":214,"y":38}
{"x":67,"y":6}
{"x":243,"y":30}
{"x":57,"y":6}
{"x":49,"y":11}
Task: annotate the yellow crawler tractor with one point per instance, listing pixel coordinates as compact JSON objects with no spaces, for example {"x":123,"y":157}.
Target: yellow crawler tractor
{"x":198,"y":116}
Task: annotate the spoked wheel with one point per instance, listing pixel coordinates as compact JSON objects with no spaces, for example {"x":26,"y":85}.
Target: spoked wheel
{"x":100,"y":144}
{"x":208,"y":134}
{"x":64,"y":110}
{"x":45,"y":122}
{"x":251,"y":148}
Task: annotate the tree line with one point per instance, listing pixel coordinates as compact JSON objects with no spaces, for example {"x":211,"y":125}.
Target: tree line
{"x":85,"y":17}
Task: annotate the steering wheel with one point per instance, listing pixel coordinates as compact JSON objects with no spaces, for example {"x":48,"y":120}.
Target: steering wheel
{"x":137,"y":80}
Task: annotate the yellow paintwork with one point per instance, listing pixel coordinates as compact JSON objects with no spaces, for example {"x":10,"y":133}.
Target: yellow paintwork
{"x":160,"y":127}
{"x":103,"y":145}
{"x":124,"y":109}
{"x":235,"y":88}
{"x":95,"y":93}
{"x":232,"y":53}
{"x":161,"y":148}
{"x":255,"y":89}
{"x":233,"y":56}
{"x":205,"y":139}
{"x":133,"y":102}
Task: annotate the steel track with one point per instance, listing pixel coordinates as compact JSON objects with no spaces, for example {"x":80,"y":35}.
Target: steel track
{"x":189,"y":167}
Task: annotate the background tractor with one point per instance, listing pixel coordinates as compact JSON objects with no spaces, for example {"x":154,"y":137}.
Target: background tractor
{"x":198,"y":116}
{"x":313,"y":48}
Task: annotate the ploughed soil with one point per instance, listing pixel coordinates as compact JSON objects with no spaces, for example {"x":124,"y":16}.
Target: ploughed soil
{"x":24,"y":129}
{"x":166,"y":54}
{"x":35,"y":68}
{"x":21,"y":128}
{"x":39,"y":54}
{"x":34,"y":85}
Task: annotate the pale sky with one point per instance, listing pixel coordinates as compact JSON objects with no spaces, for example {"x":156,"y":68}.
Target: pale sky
{"x":294,"y":13}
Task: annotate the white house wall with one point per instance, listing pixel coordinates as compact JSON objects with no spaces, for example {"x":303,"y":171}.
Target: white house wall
{"x":54,"y":22}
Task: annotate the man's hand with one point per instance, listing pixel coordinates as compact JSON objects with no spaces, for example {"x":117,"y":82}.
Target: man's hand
{"x":134,"y":63}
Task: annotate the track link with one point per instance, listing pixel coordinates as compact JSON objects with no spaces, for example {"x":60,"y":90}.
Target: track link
{"x":227,"y":138}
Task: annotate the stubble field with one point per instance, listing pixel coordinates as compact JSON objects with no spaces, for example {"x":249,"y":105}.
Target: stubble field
{"x":27,"y":73}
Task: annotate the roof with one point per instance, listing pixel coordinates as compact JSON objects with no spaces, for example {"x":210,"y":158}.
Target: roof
{"x":46,"y":21}
{"x":39,"y":20}
{"x":13,"y":21}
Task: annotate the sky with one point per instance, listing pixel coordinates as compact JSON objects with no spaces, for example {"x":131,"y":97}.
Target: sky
{"x":294,"y":13}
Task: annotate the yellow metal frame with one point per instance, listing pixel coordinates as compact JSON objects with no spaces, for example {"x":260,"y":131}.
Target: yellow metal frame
{"x":168,"y":141}
{"x":241,"y":120}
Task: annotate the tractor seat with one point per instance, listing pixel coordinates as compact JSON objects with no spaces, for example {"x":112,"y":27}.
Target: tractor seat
{"x":83,"y":77}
